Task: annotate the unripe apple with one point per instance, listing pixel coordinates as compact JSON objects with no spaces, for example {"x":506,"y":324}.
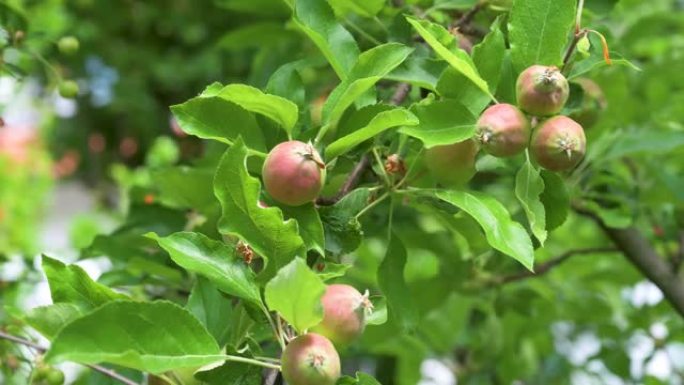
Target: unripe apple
{"x":68,"y":45}
{"x":592,"y":105}
{"x":558,"y":144}
{"x":344,"y":314}
{"x":54,"y":377}
{"x":503,"y":130}
{"x":542,"y":90}
{"x":293,"y":173}
{"x":68,"y":89}
{"x":310,"y":359}
{"x":452,"y":164}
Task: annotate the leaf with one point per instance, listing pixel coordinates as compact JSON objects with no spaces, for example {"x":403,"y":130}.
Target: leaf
{"x":379,"y":314}
{"x":185,"y":187}
{"x":152,"y":337}
{"x":488,"y":57}
{"x":502,"y":233}
{"x":371,"y":66}
{"x":596,"y":60}
{"x":538,"y":31}
{"x":361,"y":379}
{"x":264,"y":229}
{"x":233,"y":373}
{"x":331,"y":270}
{"x":555,"y":199}
{"x":295,"y":293}
{"x":254,"y":35}
{"x":443,"y":43}
{"x":342,"y":230}
{"x":48,"y":320}
{"x":365,"y":8}
{"x":393,"y":285}
{"x":213,"y":260}
{"x":71,"y":284}
{"x":419,"y":71}
{"x":441,"y":122}
{"x":276,"y":108}
{"x":529,"y":186}
{"x":212,"y":309}
{"x":317,"y":20}
{"x":380,"y":123}
{"x":309,"y":224}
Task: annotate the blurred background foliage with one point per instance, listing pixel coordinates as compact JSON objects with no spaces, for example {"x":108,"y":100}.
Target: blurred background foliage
{"x":595,"y":319}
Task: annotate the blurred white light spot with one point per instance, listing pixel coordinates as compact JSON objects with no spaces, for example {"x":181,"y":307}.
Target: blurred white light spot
{"x":434,"y":372}
{"x":643,"y":293}
{"x":659,"y":330}
{"x":659,"y":366}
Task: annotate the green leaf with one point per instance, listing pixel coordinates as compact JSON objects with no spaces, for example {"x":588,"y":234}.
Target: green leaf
{"x":361,"y":379}
{"x":529,"y":186}
{"x":276,"y":108}
{"x":419,"y":71}
{"x":596,"y":60}
{"x":393,"y":285}
{"x":309,"y":224}
{"x":538,"y":31}
{"x":71,"y":284}
{"x":342,"y":230}
{"x":502,"y":233}
{"x":209,"y":116}
{"x":379,"y":314}
{"x":317,"y":20}
{"x":488,"y":58}
{"x":331,"y":270}
{"x":48,"y":320}
{"x":555,"y":199}
{"x":213,"y":260}
{"x":152,"y":337}
{"x":443,"y":43}
{"x":264,"y":229}
{"x":233,"y":373}
{"x":380,"y":123}
{"x":365,"y":8}
{"x":441,"y":122}
{"x":212,"y":309}
{"x":371,"y":66}
{"x":254,"y":35}
{"x":185,"y":187}
{"x":295,"y":293}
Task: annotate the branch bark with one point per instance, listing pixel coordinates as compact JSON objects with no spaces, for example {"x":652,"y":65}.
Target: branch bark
{"x":644,"y":257}
{"x":107,"y":372}
{"x":349,"y":184}
{"x":547,"y":266}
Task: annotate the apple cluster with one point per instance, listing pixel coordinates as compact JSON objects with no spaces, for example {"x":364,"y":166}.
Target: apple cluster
{"x":311,"y":358}
{"x":557,"y":143}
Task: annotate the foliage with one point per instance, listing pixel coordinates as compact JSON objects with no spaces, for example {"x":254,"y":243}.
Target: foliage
{"x":210,"y":277}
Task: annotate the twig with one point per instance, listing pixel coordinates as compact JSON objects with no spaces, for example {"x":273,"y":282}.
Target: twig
{"x":468,"y":16}
{"x":271,"y":376}
{"x":571,"y":48}
{"x":545,"y":267}
{"x":107,"y":372}
{"x":644,"y":257}
{"x":400,"y":93}
{"x":679,"y":256}
{"x":351,"y":182}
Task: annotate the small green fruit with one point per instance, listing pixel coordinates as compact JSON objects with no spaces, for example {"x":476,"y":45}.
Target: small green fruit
{"x":541,"y":90}
{"x":54,"y":377}
{"x":310,"y":359}
{"x":68,"y":89}
{"x":503,"y":130}
{"x":68,"y":45}
{"x":558,"y":144}
{"x":452,"y":164}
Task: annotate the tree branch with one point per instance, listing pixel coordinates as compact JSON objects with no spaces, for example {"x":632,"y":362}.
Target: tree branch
{"x":468,"y":16}
{"x":400,"y":94}
{"x":545,"y":267}
{"x":107,"y":372}
{"x":271,"y":376}
{"x":641,"y":253}
{"x":679,"y":256}
{"x":351,"y":182}
{"x":571,"y":48}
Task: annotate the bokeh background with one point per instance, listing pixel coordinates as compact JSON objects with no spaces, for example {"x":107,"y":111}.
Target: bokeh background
{"x":70,"y":169}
